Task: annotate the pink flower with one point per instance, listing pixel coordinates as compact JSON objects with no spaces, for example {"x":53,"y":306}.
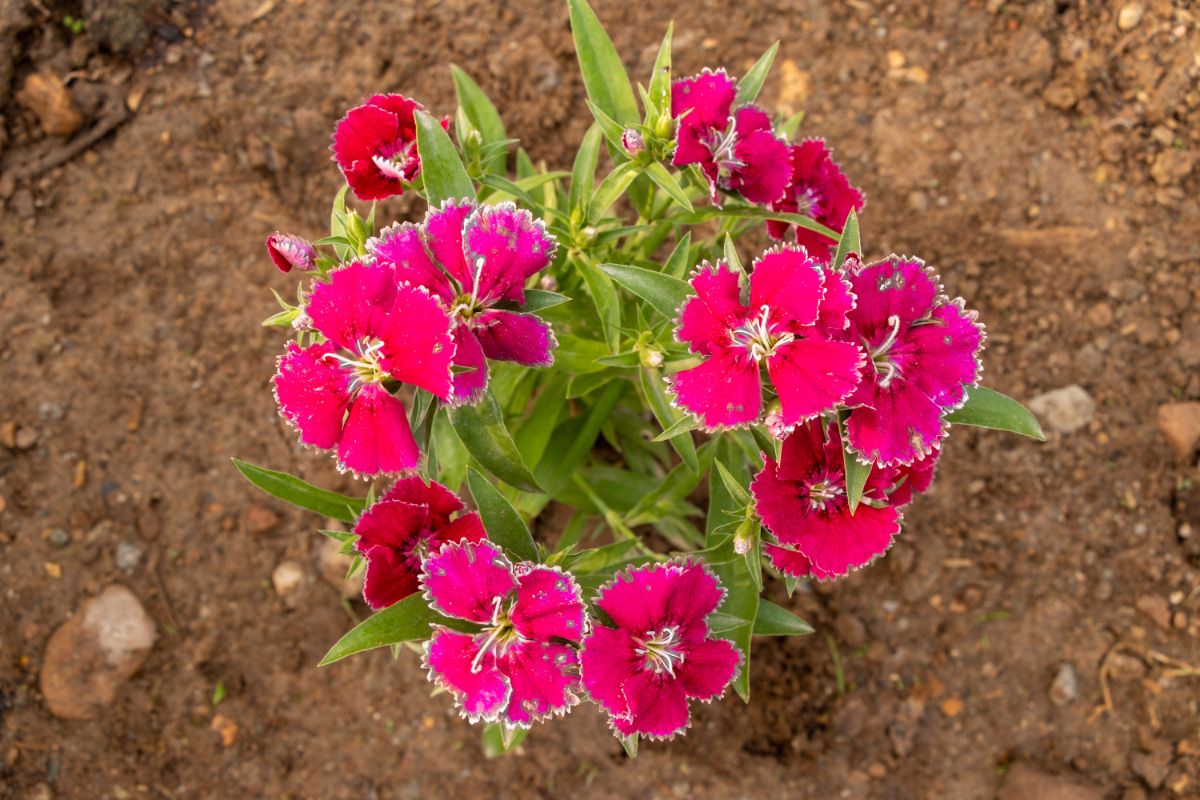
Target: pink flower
{"x":924,"y":352}
{"x":737,"y":149}
{"x":795,"y":306}
{"x":913,"y":479}
{"x":820,"y":190}
{"x":288,"y":251}
{"x":338,"y":393}
{"x":659,"y":656}
{"x":473,"y":258}
{"x":802,"y":502}
{"x":523,"y":666}
{"x":375,"y":145}
{"x":405,"y":525}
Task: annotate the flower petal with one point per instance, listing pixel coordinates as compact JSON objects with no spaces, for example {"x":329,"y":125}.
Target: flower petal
{"x":472,"y":376}
{"x":402,"y":246}
{"x":287,"y":251}
{"x":549,"y":604}
{"x":901,"y":425}
{"x":722,"y":392}
{"x":708,"y":667}
{"x":913,"y":479}
{"x":694,"y":594}
{"x":606,"y":661}
{"x":469,"y":526}
{"x":365,"y":132}
{"x":521,"y":338}
{"x":803,"y":452}
{"x":480,"y":691}
{"x":841,"y":542}
{"x":418,"y":346}
{"x":788,"y":561}
{"x":464,"y":580}
{"x":706,"y":99}
{"x":636,"y":599}
{"x":313,"y":393}
{"x":836,"y":303}
{"x":790,"y":284}
{"x":896,"y":287}
{"x":942,"y":357}
{"x":658,"y":705}
{"x":353,"y":305}
{"x":505,"y":245}
{"x":765,"y":171}
{"x":443,"y":229}
{"x":395,"y":524}
{"x":814,"y":375}
{"x":440,"y":501}
{"x":706,"y":318}
{"x":390,"y":577}
{"x":544,"y":677}
{"x":376,"y":438}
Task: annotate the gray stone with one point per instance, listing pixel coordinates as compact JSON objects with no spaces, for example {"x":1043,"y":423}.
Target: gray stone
{"x":1064,"y":410}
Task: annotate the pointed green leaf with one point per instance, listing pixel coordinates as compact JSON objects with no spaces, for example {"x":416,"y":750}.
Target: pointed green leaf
{"x":682,"y":425}
{"x":554,"y":473}
{"x":442,"y":170}
{"x":775,"y":620}
{"x":752,"y":82}
{"x":732,"y":485}
{"x":500,"y":740}
{"x":986,"y":408}
{"x":610,"y":189}
{"x":666,"y":181}
{"x":630,"y":743}
{"x":730,"y":253}
{"x":406,"y":621}
{"x":664,"y":293}
{"x":660,"y":80}
{"x":483,"y":115}
{"x":292,"y":490}
{"x":849,"y":242}
{"x":607,"y":302}
{"x":540,"y":300}
{"x":732,"y":210}
{"x":856,"y":471}
{"x":503,"y":524}
{"x":604,"y":75}
{"x":583,"y":173}
{"x":480,"y":427}
{"x":655,"y":389}
{"x":679,"y":262}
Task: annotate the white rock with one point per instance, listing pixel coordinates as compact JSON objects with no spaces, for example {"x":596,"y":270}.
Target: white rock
{"x":287,"y":578}
{"x":1064,"y":410}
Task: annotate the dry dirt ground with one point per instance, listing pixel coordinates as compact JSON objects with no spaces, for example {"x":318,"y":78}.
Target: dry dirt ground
{"x":1041,"y":154}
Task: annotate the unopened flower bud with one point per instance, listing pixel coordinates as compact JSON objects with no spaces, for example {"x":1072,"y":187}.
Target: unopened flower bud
{"x":662,"y":128}
{"x":774,"y":421}
{"x":548,"y":283}
{"x":652,"y":357}
{"x":302,"y":322}
{"x":288,"y":252}
{"x":743,"y":537}
{"x":633,"y":142}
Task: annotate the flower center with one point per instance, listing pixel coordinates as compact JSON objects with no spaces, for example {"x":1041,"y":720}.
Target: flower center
{"x":498,"y":636}
{"x":396,"y":165}
{"x":468,"y":304}
{"x":758,"y":336}
{"x":885,"y":366}
{"x":807,"y":201}
{"x":367,"y":368}
{"x":721,"y":144}
{"x":661,"y":650}
{"x":822,"y":492}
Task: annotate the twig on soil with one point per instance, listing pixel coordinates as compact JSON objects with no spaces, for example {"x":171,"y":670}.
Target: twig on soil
{"x":162,"y":590}
{"x":1178,"y":669}
{"x":116,"y":116}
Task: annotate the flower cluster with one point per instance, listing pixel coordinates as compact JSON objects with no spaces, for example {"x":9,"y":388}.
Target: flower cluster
{"x":739,"y":152}
{"x":822,"y":385}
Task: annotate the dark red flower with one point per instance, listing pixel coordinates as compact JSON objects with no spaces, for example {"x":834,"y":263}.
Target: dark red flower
{"x":375,"y":145}
{"x":820,"y":190}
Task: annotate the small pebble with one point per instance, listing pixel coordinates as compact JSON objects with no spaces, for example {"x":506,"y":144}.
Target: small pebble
{"x":287,"y":577}
{"x":128,"y":556}
{"x":1129,"y":16}
{"x":59,"y":537}
{"x":26,"y":438}
{"x":1065,"y":687}
{"x":1064,"y":410}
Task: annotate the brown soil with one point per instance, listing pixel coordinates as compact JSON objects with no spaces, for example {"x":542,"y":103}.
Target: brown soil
{"x":1038,"y":154}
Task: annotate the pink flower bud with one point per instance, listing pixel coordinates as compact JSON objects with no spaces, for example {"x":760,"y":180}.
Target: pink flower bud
{"x":633,"y":142}
{"x":288,"y":251}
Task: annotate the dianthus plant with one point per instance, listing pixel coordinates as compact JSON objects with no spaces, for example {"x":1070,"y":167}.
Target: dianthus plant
{"x":599,"y":412}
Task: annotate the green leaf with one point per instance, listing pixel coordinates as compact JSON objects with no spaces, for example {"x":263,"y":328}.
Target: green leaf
{"x":730,"y":253}
{"x":857,"y":472}
{"x":585,"y":384}
{"x":660,"y":80}
{"x":775,"y":620}
{"x":655,"y":389}
{"x":503,"y":524}
{"x":613,"y":130}
{"x":292,"y":490}
{"x":787,"y":129}
{"x":535,"y":432}
{"x":751,"y":83}
{"x":732,"y":485}
{"x":539,"y":300}
{"x":483,"y":115}
{"x":442,"y":170}
{"x":604,"y":75}
{"x":554,"y":473}
{"x":733,"y":210}
{"x":480,"y":427}
{"x":337,"y":225}
{"x":500,"y":740}
{"x":583,"y":173}
{"x":406,"y":621}
{"x":682,"y":425}
{"x":986,"y":408}
{"x":666,"y":181}
{"x":612,"y":187}
{"x":678,"y":263}
{"x":740,"y":602}
{"x":849,"y":242}
{"x":630,"y":743}
{"x":607,"y":302}
{"x":664,"y":293}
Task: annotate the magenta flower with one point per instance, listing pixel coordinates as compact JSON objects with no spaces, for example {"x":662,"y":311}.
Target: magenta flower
{"x":288,"y":251}
{"x":924,"y":353}
{"x":736,"y":149}
{"x":820,"y":190}
{"x":659,"y":656}
{"x":473,"y":258}
{"x":802,"y":502}
{"x":375,"y":145}
{"x":412,"y":520}
{"x":795,"y":306}
{"x":913,"y":479}
{"x":338,"y":393}
{"x":523,"y":666}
